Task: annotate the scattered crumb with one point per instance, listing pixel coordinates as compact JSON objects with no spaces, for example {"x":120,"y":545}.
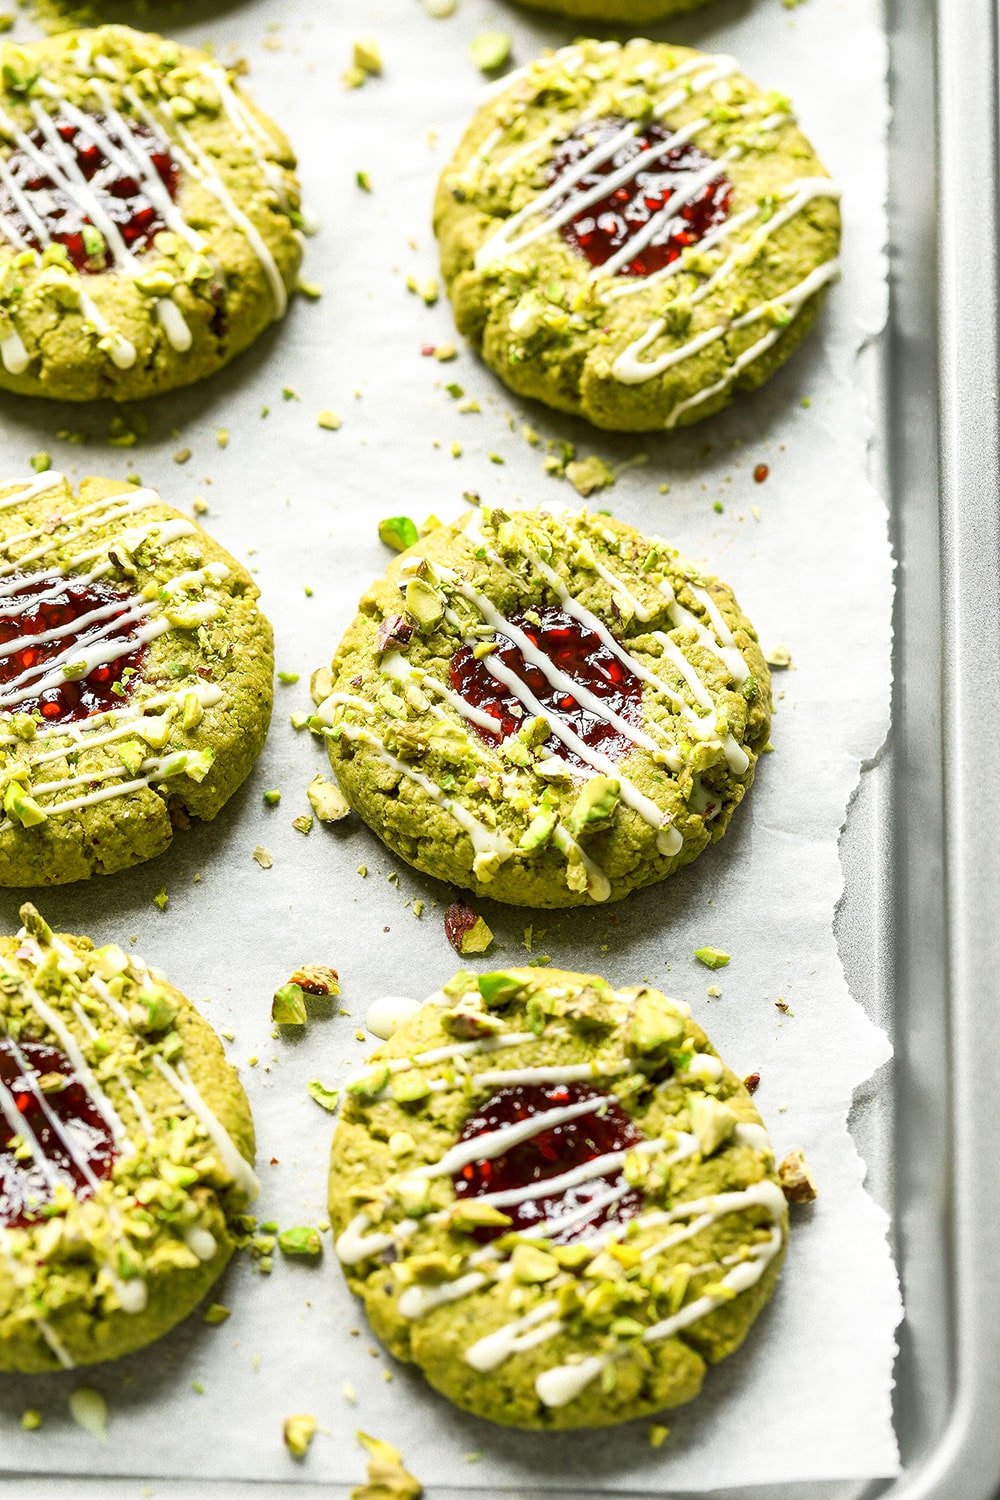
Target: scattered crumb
{"x":797,"y":1182}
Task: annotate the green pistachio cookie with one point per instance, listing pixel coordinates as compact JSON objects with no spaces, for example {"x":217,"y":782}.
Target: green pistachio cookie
{"x":555,"y":1199}
{"x":149,"y":216}
{"x":545,"y":707}
{"x":125,"y":1151}
{"x":136,"y":677}
{"x":634,"y":233}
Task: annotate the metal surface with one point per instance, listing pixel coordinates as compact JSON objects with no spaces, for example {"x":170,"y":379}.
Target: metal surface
{"x":918,"y":925}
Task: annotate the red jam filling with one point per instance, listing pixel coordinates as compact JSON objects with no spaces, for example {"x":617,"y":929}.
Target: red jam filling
{"x":42,"y":1090}
{"x":607,"y":225}
{"x":581,"y":655}
{"x":550,"y":1153}
{"x":23,"y":616}
{"x":57,"y":202}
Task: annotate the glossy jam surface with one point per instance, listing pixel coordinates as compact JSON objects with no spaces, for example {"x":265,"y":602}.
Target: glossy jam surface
{"x":41,"y":192}
{"x":608,"y":224}
{"x":41,"y":606}
{"x":550,"y":1153}
{"x":42,"y":1095}
{"x":581,"y":655}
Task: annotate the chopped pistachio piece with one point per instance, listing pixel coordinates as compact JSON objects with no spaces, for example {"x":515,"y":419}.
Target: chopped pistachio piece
{"x":31,"y":1419}
{"x":595,"y":806}
{"x":327,"y":800}
{"x":424,"y":605}
{"x":89,"y":1410}
{"x":367,"y":55}
{"x":398,"y":532}
{"x":712,"y":958}
{"x":329,"y":420}
{"x":288,"y":1008}
{"x":387,"y":1478}
{"x":490,"y":51}
{"x":215,"y":1313}
{"x":298,"y":1432}
{"x":327,"y":1099}
{"x":530,"y":1265}
{"x":712,"y":1122}
{"x":303,"y":1242}
{"x":797,"y":1182}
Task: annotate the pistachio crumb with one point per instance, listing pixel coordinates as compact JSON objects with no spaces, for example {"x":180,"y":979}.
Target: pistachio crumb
{"x":262,"y":857}
{"x":712,"y":958}
{"x":298,"y":1432}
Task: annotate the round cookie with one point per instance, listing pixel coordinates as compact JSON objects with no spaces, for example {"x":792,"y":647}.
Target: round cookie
{"x":545,"y":707}
{"x":555,"y":1199}
{"x":136,"y":677}
{"x":634,"y":233}
{"x":149,"y":216}
{"x":126,"y":1145}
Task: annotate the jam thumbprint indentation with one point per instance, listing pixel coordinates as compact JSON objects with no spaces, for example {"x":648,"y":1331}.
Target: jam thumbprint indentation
{"x":553,"y":1151}
{"x":51,"y":1132}
{"x":47,"y":627}
{"x":580,"y":654}
{"x":43,"y":200}
{"x":605,"y":226}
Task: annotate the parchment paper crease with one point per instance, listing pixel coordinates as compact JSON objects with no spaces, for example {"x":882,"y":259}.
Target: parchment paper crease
{"x":807,"y":551}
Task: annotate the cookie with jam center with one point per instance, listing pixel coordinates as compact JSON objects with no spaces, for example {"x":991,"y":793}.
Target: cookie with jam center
{"x":149,"y":216}
{"x":126,"y":1151}
{"x":633,"y":233}
{"x":555,"y":1199}
{"x":136,"y":677}
{"x":545,"y":707}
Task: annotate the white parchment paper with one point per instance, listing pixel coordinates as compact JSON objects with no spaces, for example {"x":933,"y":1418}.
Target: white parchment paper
{"x":807,"y":551}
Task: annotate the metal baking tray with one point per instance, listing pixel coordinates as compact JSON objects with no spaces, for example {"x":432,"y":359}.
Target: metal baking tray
{"x":918,"y":926}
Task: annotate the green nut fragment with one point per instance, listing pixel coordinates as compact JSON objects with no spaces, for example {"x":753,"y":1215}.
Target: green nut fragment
{"x":31,"y":1419}
{"x":712,"y":1122}
{"x":155,"y":1010}
{"x":712,"y":958}
{"x":424,"y":605}
{"x":398,"y":532}
{"x":387,"y":1478}
{"x":499,"y":987}
{"x":327,"y":1099}
{"x":370,"y":1084}
{"x":469,"y":1214}
{"x":595,"y":806}
{"x":367,"y":55}
{"x":89,"y":1410}
{"x":298,"y":1433}
{"x":477,"y":939}
{"x":410,"y":1087}
{"x":468,"y":1023}
{"x":654,"y":1025}
{"x":531,"y":1266}
{"x":302,"y":1241}
{"x":540,"y":829}
{"x":288,"y":1008}
{"x":215,"y":1313}
{"x":490,"y":51}
{"x":35,"y":924}
{"x":327,"y":800}
{"x":17,"y":804}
